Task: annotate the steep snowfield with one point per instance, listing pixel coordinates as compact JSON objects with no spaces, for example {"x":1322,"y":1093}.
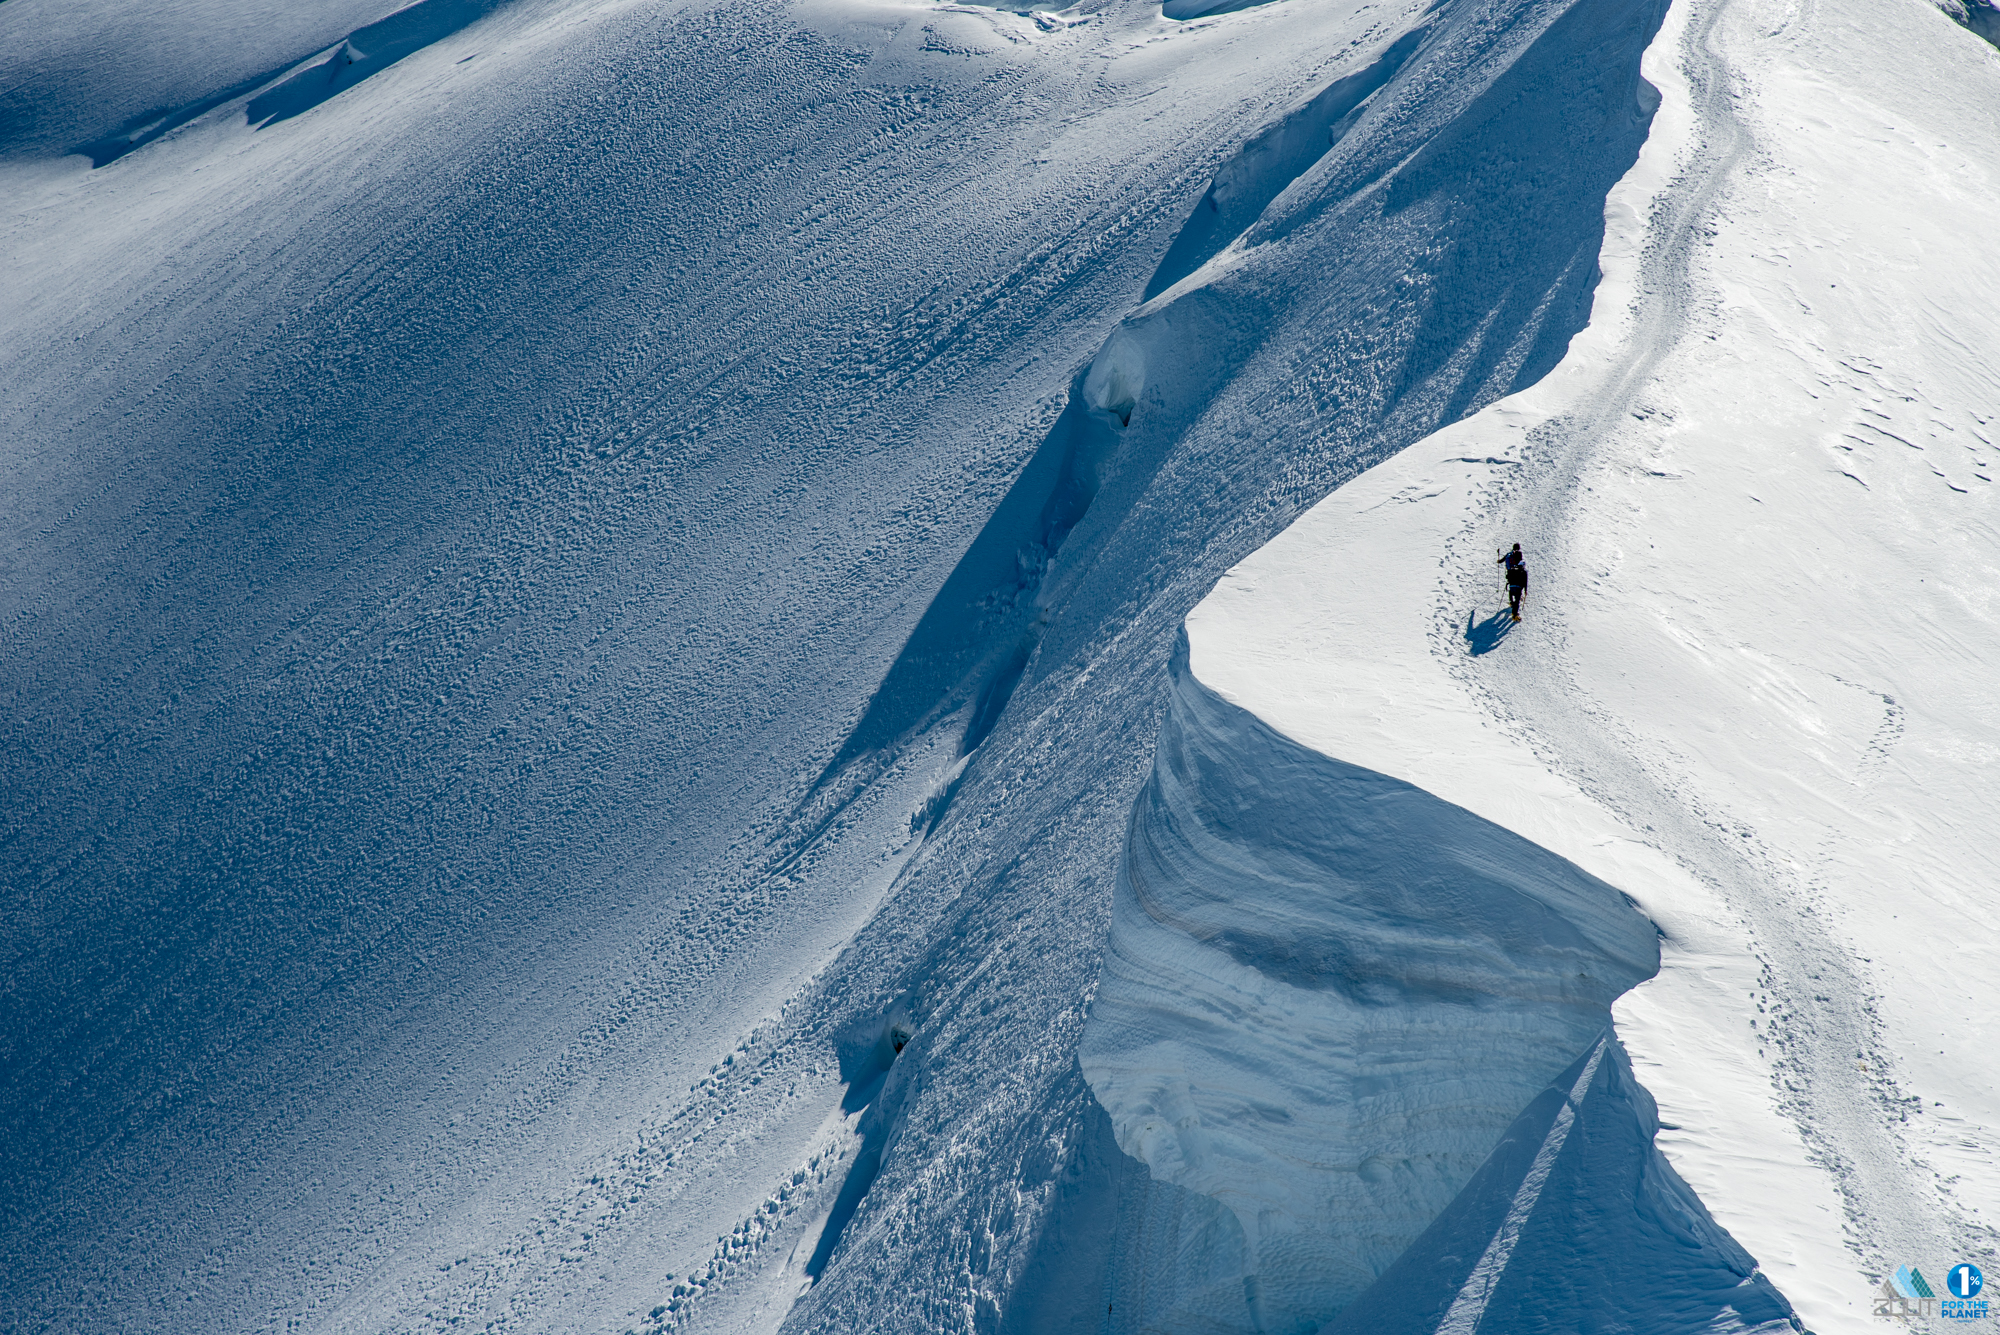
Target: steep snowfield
{"x":588,"y":597}
{"x":1327,"y":996}
{"x":489,"y":663}
{"x":1752,"y":687}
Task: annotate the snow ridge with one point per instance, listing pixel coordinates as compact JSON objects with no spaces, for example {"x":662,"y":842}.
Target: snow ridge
{"x":430,"y":610}
{"x":1326,"y":995}
{"x":1386,"y":288}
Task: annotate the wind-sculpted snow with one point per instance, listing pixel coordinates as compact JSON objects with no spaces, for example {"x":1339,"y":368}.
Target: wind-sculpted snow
{"x":1326,"y":994}
{"x":549,"y":592}
{"x":1575,"y":1222}
{"x":1272,"y":160}
{"x":107,"y":79}
{"x":365,"y":51}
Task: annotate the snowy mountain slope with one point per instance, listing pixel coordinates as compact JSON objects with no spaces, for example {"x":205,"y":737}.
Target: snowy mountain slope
{"x":1193,"y":372}
{"x":1749,"y":690}
{"x":443,"y":525}
{"x":455,"y":531}
{"x":1327,"y":994}
{"x":82,"y":75}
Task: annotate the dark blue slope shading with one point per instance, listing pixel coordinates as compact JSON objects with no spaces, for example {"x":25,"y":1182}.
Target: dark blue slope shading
{"x":367,"y":51}
{"x":1272,"y":159}
{"x":427,"y":632}
{"x":1979,"y":16}
{"x":975,"y":637}
{"x":1575,"y":1223}
{"x":141,"y":130}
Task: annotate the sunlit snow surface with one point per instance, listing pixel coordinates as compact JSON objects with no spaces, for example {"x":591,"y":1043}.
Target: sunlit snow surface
{"x":1327,"y":995}
{"x":1750,"y":689}
{"x":513,"y":518}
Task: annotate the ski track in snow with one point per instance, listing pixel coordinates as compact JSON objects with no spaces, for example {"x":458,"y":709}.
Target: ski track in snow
{"x":1831,"y":1062}
{"x":581,"y":673}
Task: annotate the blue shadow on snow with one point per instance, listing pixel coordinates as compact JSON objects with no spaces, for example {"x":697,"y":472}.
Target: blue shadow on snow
{"x":1485,"y":636}
{"x":1576,"y":1222}
{"x":367,"y":50}
{"x":147,"y":126}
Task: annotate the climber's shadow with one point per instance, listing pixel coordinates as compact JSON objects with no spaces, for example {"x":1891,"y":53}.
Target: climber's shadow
{"x":1485,"y":636}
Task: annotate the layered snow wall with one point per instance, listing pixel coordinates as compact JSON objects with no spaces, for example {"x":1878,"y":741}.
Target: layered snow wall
{"x":436,"y":616}
{"x":1327,"y":997}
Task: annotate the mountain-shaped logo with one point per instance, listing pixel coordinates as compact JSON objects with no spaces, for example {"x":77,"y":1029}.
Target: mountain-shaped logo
{"x":1905,"y":1296}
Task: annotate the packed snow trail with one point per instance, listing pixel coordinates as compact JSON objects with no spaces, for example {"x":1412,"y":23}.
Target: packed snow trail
{"x":1752,"y":689}
{"x":451,"y":531}
{"x":1835,"y":1040}
{"x":1327,"y":998}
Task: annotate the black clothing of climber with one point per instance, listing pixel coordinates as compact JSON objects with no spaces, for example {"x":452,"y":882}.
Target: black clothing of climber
{"x":1517,"y":578}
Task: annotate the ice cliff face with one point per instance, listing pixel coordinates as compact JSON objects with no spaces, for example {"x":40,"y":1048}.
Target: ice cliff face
{"x":1326,"y":995}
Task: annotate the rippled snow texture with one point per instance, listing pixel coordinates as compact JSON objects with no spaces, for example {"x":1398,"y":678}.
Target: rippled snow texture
{"x":1327,"y":995}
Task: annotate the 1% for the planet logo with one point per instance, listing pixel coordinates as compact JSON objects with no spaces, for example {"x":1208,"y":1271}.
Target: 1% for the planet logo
{"x":1962,"y":1293}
